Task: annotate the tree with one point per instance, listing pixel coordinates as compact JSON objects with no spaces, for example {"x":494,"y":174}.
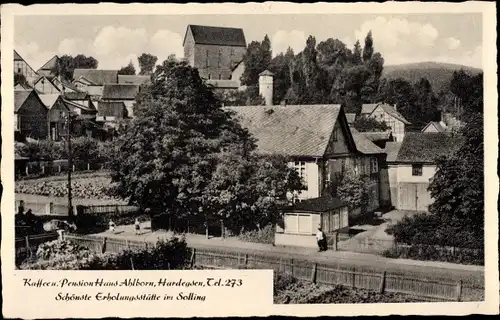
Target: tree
{"x":425,"y":103}
{"x":367,"y":124}
{"x":182,"y":152}
{"x":368,"y":49}
{"x":67,"y":64}
{"x":279,"y":66}
{"x":353,"y":190}
{"x":147,"y":63}
{"x":127,"y":70}
{"x":356,"y":54}
{"x":256,"y":59}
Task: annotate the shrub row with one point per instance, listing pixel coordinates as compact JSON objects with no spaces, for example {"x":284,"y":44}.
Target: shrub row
{"x":65,"y":255}
{"x":435,"y":253}
{"x":264,"y":235}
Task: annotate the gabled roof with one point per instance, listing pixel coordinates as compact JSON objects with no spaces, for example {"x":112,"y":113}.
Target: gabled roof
{"x":120,"y":91}
{"x":131,"y":79}
{"x":98,"y":77}
{"x":322,"y":204}
{"x":351,"y":117}
{"x":292,"y":130}
{"x":17,"y":56}
{"x":237,"y":65}
{"x":217,"y":35}
{"x":377,"y":136}
{"x":266,"y":73}
{"x":49,"y":99}
{"x":19,"y":98}
{"x":437,"y":125}
{"x":22,"y":87}
{"x":112,"y":109}
{"x":419,"y":147}
{"x":364,"y":145}
{"x":80,"y":106}
{"x":367,"y":109}
{"x":51,"y":64}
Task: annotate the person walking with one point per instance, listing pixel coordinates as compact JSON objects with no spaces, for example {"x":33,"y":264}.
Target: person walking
{"x":320,"y":238}
{"x":137,"y":226}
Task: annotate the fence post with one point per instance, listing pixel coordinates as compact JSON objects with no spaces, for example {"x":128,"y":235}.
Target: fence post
{"x":381,"y":288}
{"x":314,"y":273}
{"x":43,"y":169}
{"x":127,"y":244}
{"x":246,"y":259}
{"x":132,"y":263}
{"x":88,"y":166}
{"x":353,"y":278}
{"x":28,"y":249}
{"x":59,"y":169}
{"x":193,"y":257}
{"x":103,"y":246}
{"x":291,"y":263}
{"x":27,"y":171}
{"x":459,"y":290}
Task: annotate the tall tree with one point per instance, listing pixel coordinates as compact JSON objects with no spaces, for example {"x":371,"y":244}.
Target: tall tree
{"x":256,"y":59}
{"x":368,"y":49}
{"x":147,"y":63}
{"x":279,"y":66}
{"x":127,"y":70}
{"x":67,"y":64}
{"x":356,"y":53}
{"x":425,"y":102}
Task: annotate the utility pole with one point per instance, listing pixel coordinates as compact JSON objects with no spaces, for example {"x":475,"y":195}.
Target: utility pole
{"x":70,"y":163}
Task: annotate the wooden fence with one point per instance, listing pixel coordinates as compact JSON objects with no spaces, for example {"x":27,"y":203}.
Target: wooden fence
{"x":106,"y":209}
{"x":26,"y":247}
{"x":424,"y":286}
{"x":49,"y":168}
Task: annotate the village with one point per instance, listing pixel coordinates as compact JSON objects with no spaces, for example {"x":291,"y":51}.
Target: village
{"x":365,"y":169}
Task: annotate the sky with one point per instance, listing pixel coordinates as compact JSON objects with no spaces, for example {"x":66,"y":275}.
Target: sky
{"x":115,"y":40}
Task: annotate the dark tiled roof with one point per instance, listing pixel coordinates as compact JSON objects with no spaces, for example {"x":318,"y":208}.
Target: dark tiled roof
{"x":292,"y":130}
{"x":99,"y":77}
{"x":75,"y":95}
{"x":364,"y":145}
{"x":19,"y":99}
{"x":130,"y":79}
{"x":120,"y":91}
{"x":392,"y":150}
{"x":426,"y":147}
{"x":322,"y":204}
{"x":112,"y":109}
{"x":377,"y":136}
{"x":351,"y":117}
{"x":80,"y":106}
{"x":49,"y":65}
{"x":218,"y":35}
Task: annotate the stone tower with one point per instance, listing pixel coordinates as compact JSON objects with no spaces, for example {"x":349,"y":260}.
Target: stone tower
{"x":266,"y":86}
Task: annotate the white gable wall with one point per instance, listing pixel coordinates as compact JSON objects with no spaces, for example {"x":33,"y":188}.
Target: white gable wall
{"x":397,"y":126}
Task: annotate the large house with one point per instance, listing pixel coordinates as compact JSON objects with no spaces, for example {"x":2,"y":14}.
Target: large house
{"x":389,"y":114}
{"x":22,"y":67}
{"x":411,"y":164}
{"x":48,"y":68}
{"x":92,"y":81}
{"x":57,"y":112}
{"x":215,"y":51}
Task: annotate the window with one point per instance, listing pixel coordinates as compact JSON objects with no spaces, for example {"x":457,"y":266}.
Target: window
{"x":374,"y":165}
{"x":416,"y":170}
{"x":18,"y":70}
{"x":335,"y":135}
{"x":298,"y":223}
{"x":300,"y":166}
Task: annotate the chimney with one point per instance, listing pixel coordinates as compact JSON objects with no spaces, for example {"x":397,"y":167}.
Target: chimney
{"x":266,"y":86}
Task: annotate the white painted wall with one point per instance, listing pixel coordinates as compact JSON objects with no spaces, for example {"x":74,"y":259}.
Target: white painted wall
{"x":404,"y":173}
{"x":311,"y":181}
{"x":397,"y":127}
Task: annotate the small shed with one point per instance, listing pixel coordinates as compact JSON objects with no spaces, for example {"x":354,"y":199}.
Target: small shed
{"x":300,"y":222}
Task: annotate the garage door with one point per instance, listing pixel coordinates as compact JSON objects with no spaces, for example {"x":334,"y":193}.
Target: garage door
{"x":414,"y":196}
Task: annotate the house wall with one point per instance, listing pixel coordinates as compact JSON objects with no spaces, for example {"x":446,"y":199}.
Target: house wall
{"x":46,"y":87}
{"x":33,"y":118}
{"x":404,"y":173}
{"x":397,"y":127}
{"x":20,"y":66}
{"x":216,"y":61}
{"x":295,"y":240}
{"x":338,"y":142}
{"x":238,"y":72}
{"x":403,"y":184}
{"x":311,"y":178}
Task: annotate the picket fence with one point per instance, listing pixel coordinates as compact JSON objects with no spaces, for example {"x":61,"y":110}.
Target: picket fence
{"x":49,"y":168}
{"x":423,"y":286}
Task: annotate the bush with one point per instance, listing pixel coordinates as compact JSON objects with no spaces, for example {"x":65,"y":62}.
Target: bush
{"x":264,"y":235}
{"x":168,"y":254}
{"x":436,"y":253}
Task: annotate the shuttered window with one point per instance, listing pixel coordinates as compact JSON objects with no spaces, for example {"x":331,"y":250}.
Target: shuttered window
{"x":298,"y":223}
